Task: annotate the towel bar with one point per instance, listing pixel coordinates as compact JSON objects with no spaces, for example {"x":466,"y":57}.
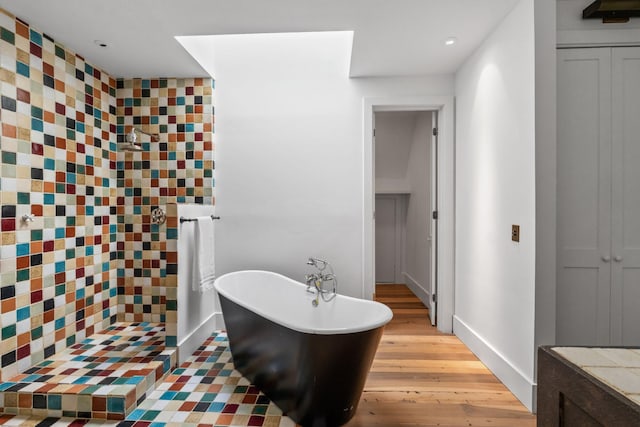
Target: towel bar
{"x":183,"y":219}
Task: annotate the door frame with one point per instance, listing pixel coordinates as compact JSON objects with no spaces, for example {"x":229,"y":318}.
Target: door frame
{"x":433,"y":230}
{"x":445,"y":245}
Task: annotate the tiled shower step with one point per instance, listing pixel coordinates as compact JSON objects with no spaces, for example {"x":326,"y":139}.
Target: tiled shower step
{"x":106,"y":376}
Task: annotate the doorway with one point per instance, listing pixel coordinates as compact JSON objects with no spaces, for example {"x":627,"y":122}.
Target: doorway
{"x":443,"y":194}
{"x":405,"y":184}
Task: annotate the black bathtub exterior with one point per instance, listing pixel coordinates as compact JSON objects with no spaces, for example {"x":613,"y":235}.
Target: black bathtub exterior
{"x":316,"y":380}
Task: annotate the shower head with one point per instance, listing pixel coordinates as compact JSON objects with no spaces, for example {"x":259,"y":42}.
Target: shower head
{"x":131,"y":147}
{"x":132,"y":137}
{"x":154,"y":136}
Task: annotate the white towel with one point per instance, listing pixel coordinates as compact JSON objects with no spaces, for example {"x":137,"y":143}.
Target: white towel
{"x":204,"y":271}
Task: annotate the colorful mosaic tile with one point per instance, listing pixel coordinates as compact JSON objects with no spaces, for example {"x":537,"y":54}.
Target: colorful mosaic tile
{"x":177,"y":169}
{"x":58,"y":274}
{"x":91,"y":256}
{"x":203,"y":391}
{"x":208,"y":390}
{"x":104,"y":377}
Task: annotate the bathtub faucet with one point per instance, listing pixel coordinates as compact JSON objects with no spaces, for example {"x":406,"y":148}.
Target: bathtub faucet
{"x":315,"y":281}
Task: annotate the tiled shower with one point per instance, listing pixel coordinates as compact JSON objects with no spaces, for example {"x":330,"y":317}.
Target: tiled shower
{"x":91,"y":256}
{"x":178,"y":169}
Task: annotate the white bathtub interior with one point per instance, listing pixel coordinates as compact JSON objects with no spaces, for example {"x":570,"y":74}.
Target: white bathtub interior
{"x":286,"y":302}
{"x":199,"y":314}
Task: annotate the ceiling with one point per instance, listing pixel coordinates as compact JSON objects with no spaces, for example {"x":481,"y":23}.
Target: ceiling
{"x":392,"y":37}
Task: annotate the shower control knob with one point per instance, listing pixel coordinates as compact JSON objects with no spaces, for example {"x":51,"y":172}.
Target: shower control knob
{"x":158,"y":216}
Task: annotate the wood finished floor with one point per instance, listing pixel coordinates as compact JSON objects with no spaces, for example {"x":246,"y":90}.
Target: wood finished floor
{"x":421,"y":377}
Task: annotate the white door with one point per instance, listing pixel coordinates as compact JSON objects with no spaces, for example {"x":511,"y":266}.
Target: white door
{"x":433,"y":235}
{"x":373,"y":199}
{"x":625,"y":290}
{"x":386,"y":237}
{"x":584,"y":197}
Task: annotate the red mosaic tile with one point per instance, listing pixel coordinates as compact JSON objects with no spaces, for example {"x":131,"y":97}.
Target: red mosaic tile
{"x":24,"y":351}
{"x":256,"y":420}
{"x":37,"y":149}
{"x":8,"y":224}
{"x":231,"y":408}
{"x":35,"y":50}
{"x":23,"y":95}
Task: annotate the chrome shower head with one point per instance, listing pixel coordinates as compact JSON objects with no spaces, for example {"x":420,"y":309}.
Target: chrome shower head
{"x":132,"y":137}
{"x":154,"y":136}
{"x":131,"y":147}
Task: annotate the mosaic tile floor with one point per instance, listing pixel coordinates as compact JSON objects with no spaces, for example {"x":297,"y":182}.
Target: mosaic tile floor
{"x":204,"y":392}
{"x":105,"y":376}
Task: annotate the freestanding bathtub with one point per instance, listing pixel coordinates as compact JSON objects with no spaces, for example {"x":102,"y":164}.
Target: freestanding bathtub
{"x":310,"y":361}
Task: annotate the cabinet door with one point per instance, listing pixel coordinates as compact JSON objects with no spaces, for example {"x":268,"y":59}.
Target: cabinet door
{"x":584,"y":196}
{"x":625,"y":279}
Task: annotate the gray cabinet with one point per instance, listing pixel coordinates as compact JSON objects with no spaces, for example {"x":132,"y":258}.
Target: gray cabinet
{"x":598,"y":197}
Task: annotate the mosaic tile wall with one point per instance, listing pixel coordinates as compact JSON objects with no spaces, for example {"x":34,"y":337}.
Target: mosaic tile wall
{"x":177,"y":169}
{"x":58,"y":274}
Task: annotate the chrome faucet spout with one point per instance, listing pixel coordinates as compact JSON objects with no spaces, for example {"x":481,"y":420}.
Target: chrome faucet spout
{"x":318,"y":279}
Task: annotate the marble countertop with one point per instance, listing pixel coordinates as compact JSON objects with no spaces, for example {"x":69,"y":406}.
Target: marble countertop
{"x":619,"y":368}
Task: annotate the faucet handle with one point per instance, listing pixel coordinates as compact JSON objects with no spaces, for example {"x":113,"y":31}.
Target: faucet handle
{"x":318,"y":263}
{"x":28,"y":218}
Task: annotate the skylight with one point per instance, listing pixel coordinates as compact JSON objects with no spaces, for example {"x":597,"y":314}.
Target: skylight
{"x":332,"y":47}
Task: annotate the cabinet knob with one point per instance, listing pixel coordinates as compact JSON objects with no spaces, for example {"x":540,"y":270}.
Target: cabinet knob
{"x":606,"y":258}
{"x":617,"y":259}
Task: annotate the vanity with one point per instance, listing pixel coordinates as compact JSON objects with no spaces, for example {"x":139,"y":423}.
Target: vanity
{"x":588,"y":386}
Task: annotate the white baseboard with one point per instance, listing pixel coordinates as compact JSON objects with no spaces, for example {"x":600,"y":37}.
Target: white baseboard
{"x":515,"y":380}
{"x":422,"y":294}
{"x":534,"y":406}
{"x":191,"y":342}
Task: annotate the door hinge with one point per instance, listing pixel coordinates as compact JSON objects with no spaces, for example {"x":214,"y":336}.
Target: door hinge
{"x":435,"y":131}
{"x":434,"y":215}
{"x":434,"y":297}
{"x":374,"y":132}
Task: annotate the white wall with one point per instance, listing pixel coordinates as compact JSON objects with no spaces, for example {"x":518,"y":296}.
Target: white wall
{"x":545,"y":327}
{"x":417,"y":249}
{"x":199,"y":314}
{"x":394,"y":136}
{"x":495,"y":188}
{"x":289,"y":149}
